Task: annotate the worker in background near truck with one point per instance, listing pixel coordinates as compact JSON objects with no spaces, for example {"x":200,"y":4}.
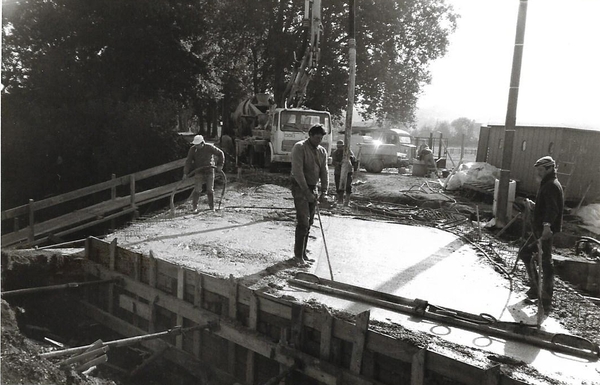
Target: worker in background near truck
{"x":546,"y":221}
{"x":338,"y":158}
{"x":309,"y":165}
{"x":200,"y":160}
{"x":426,"y":155}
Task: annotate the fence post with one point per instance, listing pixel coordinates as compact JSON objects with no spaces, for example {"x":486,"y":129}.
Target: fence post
{"x":132,"y":196}
{"x":31,"y":236}
{"x":113,"y":197}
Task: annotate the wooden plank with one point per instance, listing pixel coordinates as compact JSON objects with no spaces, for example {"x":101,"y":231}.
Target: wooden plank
{"x":112,"y":250}
{"x":233,"y":298}
{"x":161,"y":169}
{"x":152,"y":283}
{"x":262,"y":345}
{"x":180,"y":295}
{"x":136,"y":307}
{"x":359,"y":341}
{"x":31,"y":224}
{"x":491,"y":375}
{"x":250,"y":355}
{"x":297,"y":332}
{"x":326,"y":334}
{"x":417,"y":369}
{"x":198,"y":303}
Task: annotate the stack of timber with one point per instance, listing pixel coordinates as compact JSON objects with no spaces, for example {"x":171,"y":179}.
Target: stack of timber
{"x":254,"y":336}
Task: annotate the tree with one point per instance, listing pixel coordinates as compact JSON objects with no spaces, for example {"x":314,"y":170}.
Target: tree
{"x":396,"y":42}
{"x":467,"y":127}
{"x":98,"y":85}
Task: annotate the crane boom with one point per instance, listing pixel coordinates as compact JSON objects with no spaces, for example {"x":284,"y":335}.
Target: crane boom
{"x":304,"y":69}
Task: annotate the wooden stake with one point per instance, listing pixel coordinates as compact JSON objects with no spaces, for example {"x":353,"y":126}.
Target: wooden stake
{"x":417,"y":369}
{"x":360,"y":338}
{"x":326,"y":334}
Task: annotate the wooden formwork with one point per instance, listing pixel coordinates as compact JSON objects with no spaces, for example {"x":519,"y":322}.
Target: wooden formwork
{"x":256,"y":335}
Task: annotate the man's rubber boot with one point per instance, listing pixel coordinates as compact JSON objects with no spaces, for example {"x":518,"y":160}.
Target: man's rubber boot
{"x":305,"y":251}
{"x":195,"y":199}
{"x":347,"y":200}
{"x":211,"y":201}
{"x":340,"y":197}
{"x":533,"y":280}
{"x":299,"y":247}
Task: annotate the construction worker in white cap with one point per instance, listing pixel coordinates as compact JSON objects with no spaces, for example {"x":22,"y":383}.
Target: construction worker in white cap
{"x":546,"y":221}
{"x":202,"y":159}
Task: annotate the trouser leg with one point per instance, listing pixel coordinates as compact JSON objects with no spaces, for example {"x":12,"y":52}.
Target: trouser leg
{"x":197,"y":189}
{"x":526,"y":255}
{"x":548,"y":272}
{"x":211,"y":200}
{"x":348,"y":189}
{"x":339,"y":193}
{"x":302,"y":221}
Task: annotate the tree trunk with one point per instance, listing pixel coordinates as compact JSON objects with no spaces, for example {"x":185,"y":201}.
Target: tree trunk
{"x":215,"y":119}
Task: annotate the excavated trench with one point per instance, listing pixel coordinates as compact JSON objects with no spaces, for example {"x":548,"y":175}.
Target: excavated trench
{"x":52,"y":320}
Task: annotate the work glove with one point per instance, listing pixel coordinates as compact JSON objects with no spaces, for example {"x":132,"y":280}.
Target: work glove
{"x":310,"y":196}
{"x":322,"y":197}
{"x":546,"y":233}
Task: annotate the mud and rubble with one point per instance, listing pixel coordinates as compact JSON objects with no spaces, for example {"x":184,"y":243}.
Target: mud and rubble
{"x":251,"y":237}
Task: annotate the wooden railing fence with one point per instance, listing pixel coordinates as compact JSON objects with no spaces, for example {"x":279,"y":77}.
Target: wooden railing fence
{"x":39,"y":231}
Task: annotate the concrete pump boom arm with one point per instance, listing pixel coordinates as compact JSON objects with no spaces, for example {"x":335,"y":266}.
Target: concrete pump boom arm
{"x":304,"y":69}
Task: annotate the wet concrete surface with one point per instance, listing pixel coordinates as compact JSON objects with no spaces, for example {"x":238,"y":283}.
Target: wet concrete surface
{"x":439,"y":267}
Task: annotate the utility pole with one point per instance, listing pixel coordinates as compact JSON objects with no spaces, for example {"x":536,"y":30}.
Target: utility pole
{"x":511,"y":118}
{"x":346,"y":165}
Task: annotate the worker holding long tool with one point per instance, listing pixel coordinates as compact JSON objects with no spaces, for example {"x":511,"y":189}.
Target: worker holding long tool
{"x":309,"y":166}
{"x":546,"y":221}
{"x":200,"y":161}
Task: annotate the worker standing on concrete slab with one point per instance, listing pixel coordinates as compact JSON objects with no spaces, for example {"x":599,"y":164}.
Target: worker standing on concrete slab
{"x":200,"y":160}
{"x":338,"y":158}
{"x":547,"y":220}
{"x":309,"y":166}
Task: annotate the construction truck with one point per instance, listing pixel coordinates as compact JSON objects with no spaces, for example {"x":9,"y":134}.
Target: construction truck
{"x":380,"y":148}
{"x":266,"y":133}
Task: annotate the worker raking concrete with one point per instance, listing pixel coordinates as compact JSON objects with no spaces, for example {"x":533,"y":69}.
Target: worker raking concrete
{"x":546,"y":221}
{"x":309,"y":166}
{"x":200,"y":161}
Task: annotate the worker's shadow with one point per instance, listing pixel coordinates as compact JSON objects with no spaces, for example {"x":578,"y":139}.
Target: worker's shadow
{"x":524,"y":312}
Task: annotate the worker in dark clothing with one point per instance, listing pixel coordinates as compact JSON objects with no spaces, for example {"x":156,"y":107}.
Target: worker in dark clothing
{"x":546,"y":221}
{"x":309,"y":165}
{"x":426,"y":155}
{"x":200,"y":160}
{"x":338,"y":159}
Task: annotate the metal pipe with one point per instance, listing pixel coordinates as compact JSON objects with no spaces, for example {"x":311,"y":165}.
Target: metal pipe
{"x":71,"y":285}
{"x":486,"y":324}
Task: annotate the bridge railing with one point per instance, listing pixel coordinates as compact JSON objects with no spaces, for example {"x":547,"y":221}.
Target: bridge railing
{"x":40,"y":228}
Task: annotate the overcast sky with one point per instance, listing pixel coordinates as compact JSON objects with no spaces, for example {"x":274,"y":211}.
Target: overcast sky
{"x":560,"y":77}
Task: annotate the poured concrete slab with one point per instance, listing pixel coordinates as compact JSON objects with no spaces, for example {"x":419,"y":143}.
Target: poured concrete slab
{"x":437,"y":266}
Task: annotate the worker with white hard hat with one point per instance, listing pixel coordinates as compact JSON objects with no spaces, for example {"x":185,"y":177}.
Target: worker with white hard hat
{"x":202,"y":159}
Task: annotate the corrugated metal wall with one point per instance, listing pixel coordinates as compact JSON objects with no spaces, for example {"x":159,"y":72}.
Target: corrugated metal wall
{"x":576,"y":151}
